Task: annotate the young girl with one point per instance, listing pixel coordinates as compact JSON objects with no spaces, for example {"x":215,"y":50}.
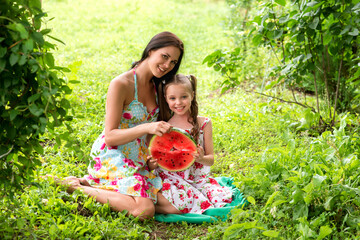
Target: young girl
{"x":191,"y":190}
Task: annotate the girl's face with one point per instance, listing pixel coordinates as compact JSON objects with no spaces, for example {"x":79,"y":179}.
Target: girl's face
{"x":179,"y":97}
{"x":163,"y":60}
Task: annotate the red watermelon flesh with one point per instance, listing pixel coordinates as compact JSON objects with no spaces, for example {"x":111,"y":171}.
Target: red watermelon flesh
{"x":173,"y":150}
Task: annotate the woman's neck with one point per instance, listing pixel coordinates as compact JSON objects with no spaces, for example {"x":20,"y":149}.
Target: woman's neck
{"x":143,"y":73}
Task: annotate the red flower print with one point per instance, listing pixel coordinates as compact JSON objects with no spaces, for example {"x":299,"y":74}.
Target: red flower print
{"x":181,"y":174}
{"x":114,"y":182}
{"x":111,"y":148}
{"x":127,"y":115}
{"x":227,"y":200}
{"x":209,"y":195}
{"x":129,"y":162}
{"x":191,"y":177}
{"x":96,"y":180}
{"x":137,"y":187}
{"x":97,"y":165}
{"x":185,"y":210}
{"x":205,"y":205}
{"x":163,"y":176}
{"x":138,"y":140}
{"x":198,"y":165}
{"x":143,"y":193}
{"x":189,"y":193}
{"x":102,"y":146}
{"x":166,"y":186}
{"x":213,"y":181}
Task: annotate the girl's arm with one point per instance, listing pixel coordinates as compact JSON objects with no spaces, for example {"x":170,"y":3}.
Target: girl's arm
{"x":205,"y":155}
{"x":116,"y":97}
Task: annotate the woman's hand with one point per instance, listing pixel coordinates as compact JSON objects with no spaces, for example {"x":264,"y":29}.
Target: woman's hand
{"x":152,"y":163}
{"x":199,"y":155}
{"x":159,"y":128}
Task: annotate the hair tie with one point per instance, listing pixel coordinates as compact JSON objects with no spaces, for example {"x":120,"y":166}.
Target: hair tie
{"x":189,"y":77}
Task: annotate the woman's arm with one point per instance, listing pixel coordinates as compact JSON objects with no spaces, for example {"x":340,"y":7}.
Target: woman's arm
{"x":205,"y":155}
{"x":115,"y":102}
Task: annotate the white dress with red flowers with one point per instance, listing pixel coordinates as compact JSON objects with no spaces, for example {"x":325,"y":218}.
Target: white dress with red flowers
{"x":193,"y":190}
{"x":123,"y":168}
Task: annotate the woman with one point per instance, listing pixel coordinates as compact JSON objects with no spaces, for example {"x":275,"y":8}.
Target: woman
{"x":118,"y":174}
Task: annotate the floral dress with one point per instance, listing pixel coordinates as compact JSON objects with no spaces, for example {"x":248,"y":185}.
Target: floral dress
{"x":123,"y":168}
{"x":193,"y":190}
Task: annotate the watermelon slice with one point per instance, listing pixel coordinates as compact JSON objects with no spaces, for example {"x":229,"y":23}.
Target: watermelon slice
{"x":173,"y":150}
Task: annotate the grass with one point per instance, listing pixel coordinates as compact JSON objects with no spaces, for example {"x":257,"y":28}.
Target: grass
{"x":299,"y":186}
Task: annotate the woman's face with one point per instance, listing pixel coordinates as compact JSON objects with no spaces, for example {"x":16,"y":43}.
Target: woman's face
{"x":163,"y":60}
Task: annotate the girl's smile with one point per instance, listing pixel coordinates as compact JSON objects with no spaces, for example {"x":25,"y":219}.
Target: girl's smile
{"x":179,"y":97}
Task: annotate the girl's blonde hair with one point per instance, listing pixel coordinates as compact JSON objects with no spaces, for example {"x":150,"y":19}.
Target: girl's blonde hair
{"x":165,"y":112}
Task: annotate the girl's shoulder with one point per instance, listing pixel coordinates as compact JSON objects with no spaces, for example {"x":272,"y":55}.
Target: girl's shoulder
{"x":203,"y":121}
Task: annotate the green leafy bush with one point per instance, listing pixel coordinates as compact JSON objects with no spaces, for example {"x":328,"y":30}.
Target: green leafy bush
{"x":32,"y":95}
{"x":314,"y":48}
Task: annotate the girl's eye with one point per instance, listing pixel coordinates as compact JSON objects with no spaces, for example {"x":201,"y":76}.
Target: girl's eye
{"x":165,"y":56}
{"x":173,"y":63}
{"x":184,"y":97}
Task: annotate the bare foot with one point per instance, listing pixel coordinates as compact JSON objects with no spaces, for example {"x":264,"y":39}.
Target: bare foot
{"x":70,"y":183}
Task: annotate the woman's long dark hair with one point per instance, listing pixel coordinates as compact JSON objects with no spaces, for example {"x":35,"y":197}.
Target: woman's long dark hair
{"x":161,"y":40}
{"x":190,"y":81}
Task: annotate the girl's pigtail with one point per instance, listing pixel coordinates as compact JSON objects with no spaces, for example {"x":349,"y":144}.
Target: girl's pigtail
{"x":194,"y":109}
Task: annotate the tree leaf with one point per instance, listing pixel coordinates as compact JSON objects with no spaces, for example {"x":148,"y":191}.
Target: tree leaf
{"x":35,"y":110}
{"x":324,"y":231}
{"x":271,"y":233}
{"x":281,"y":2}
{"x":354,"y":32}
{"x":251,"y":200}
{"x":314,"y":23}
{"x":3,"y":51}
{"x":14,"y":57}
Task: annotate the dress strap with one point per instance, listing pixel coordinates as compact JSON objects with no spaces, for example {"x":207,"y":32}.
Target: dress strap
{"x":204,"y":123}
{"x":135,"y":80}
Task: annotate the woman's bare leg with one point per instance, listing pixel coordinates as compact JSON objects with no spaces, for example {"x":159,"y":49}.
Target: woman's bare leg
{"x":164,"y":206}
{"x":137,"y":206}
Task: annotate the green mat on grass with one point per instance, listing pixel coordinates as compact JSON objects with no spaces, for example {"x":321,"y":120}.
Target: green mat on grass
{"x":212,"y":214}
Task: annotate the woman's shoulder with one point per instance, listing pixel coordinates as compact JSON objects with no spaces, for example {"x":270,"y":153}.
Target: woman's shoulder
{"x":123,"y":80}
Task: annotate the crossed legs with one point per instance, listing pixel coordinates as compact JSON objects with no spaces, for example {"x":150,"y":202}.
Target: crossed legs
{"x":143,"y":208}
{"x":136,"y":206}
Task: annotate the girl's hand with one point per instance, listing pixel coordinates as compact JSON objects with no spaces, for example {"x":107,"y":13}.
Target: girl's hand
{"x":159,"y":128}
{"x":152,"y":163}
{"x":199,"y":155}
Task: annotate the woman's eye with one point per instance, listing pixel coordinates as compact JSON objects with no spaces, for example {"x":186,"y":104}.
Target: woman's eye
{"x":165,"y":56}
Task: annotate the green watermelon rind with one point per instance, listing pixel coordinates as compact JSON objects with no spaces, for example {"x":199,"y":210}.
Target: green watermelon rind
{"x":187,"y":135}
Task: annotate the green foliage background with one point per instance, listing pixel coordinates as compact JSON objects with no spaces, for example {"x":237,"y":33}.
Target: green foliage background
{"x":300,"y":185}
{"x":32,"y":91}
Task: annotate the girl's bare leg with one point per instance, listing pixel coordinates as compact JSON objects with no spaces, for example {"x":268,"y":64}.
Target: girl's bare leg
{"x":137,"y":206}
{"x":164,"y":206}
